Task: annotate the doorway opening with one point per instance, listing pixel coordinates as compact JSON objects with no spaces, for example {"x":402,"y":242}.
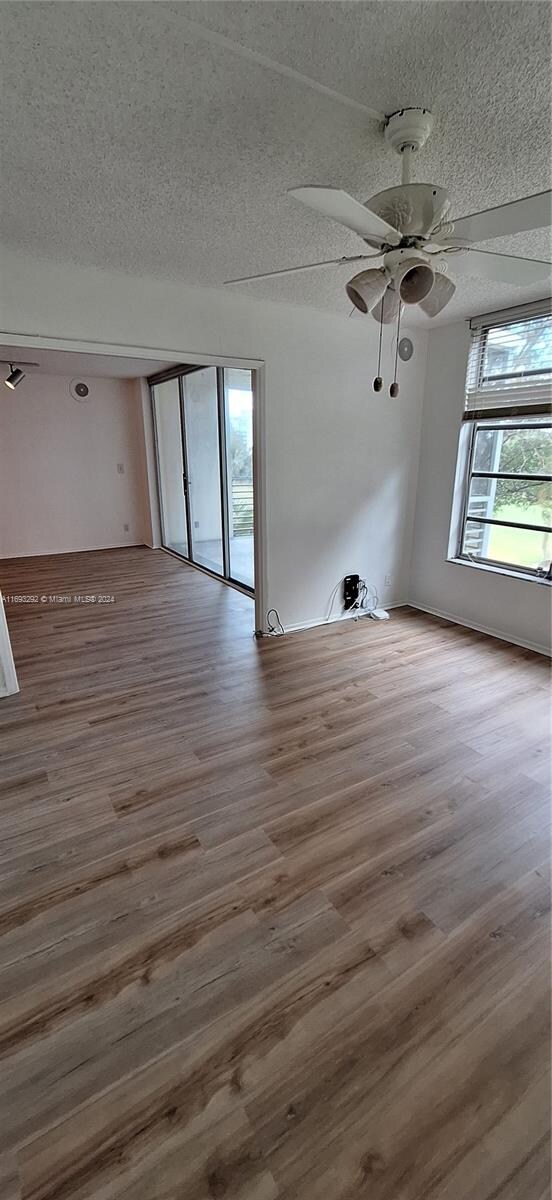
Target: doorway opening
{"x":204,"y":431}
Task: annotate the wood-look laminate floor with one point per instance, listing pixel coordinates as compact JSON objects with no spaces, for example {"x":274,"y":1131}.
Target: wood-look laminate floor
{"x":275,"y":915}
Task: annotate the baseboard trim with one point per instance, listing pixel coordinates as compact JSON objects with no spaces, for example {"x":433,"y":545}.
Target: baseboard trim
{"x":495,"y":633}
{"x":346,"y":616}
{"x":78,"y":550}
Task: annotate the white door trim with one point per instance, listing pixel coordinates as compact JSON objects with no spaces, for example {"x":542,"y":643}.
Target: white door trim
{"x":9,"y":685}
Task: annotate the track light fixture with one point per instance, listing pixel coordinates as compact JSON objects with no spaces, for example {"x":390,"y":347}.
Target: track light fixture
{"x":15,"y":376}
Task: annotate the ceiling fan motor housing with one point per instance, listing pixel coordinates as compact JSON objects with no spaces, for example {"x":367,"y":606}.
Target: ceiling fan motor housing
{"x":414,"y":209}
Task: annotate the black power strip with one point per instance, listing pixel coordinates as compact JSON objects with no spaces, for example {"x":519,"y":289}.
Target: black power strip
{"x":351,"y":584}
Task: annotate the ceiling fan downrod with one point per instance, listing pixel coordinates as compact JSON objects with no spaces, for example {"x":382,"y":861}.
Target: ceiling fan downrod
{"x":406,"y":152}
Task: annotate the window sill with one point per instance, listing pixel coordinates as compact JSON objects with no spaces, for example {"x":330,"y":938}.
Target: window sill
{"x":526,"y":577}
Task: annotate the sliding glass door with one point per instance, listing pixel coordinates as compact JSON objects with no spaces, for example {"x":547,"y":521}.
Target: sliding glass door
{"x":204,"y":438}
{"x":201,"y":422}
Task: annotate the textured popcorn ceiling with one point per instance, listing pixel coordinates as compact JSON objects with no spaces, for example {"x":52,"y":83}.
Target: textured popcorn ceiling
{"x":131,"y":143}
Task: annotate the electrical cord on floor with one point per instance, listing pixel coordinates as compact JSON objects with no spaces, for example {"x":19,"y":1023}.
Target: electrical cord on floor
{"x":276,"y":630}
{"x":359,"y":608}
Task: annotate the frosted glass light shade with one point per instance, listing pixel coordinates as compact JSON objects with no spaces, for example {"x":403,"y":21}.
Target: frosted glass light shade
{"x":366,"y":289}
{"x":390,"y":303}
{"x":442,"y":291}
{"x":414,"y":281}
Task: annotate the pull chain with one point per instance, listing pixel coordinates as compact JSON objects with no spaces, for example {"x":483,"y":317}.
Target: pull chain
{"x":394,"y":389}
{"x":378,"y":381}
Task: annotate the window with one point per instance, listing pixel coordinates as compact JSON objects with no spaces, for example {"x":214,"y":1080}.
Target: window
{"x":508,"y":505}
{"x":506,"y":518}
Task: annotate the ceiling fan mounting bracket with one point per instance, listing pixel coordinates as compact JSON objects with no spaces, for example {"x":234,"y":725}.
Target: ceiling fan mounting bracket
{"x":408,"y":127}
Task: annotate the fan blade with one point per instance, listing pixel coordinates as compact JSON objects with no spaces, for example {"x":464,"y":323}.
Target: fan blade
{"x":533,"y":212}
{"x":328,"y":262}
{"x":339,"y":206}
{"x":440,"y":244}
{"x":442,"y":291}
{"x":504,"y":268}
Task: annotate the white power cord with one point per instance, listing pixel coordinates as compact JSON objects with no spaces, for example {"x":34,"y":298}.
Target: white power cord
{"x":361,"y":602}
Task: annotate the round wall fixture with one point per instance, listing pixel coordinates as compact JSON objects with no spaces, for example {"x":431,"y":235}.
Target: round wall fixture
{"x":406,"y":349}
{"x":79,"y":389}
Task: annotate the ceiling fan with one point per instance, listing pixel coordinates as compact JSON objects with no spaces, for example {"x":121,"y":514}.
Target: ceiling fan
{"x":408,"y":226}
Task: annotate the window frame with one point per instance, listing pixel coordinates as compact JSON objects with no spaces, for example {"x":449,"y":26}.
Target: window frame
{"x":491,"y":424}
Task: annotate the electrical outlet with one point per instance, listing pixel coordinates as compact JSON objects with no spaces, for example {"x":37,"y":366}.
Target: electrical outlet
{"x":126,"y":528}
{"x":120,"y":468}
{"x":388,"y":581}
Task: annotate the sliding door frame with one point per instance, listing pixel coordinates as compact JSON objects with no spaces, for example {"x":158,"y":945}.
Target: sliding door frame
{"x":167,"y":377}
{"x":185,"y":464}
{"x":179,"y":373}
{"x":223,"y":466}
{"x":181,"y":357}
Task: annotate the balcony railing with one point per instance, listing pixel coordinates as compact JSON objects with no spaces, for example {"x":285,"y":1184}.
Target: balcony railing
{"x":242,"y":508}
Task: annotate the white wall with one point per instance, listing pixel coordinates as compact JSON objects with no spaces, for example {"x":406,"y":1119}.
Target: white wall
{"x":341,"y":462}
{"x":59,"y":485}
{"x":343,"y":467}
{"x":516,"y":609}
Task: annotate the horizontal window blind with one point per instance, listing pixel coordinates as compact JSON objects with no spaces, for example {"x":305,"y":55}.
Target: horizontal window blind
{"x":510,"y":363}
